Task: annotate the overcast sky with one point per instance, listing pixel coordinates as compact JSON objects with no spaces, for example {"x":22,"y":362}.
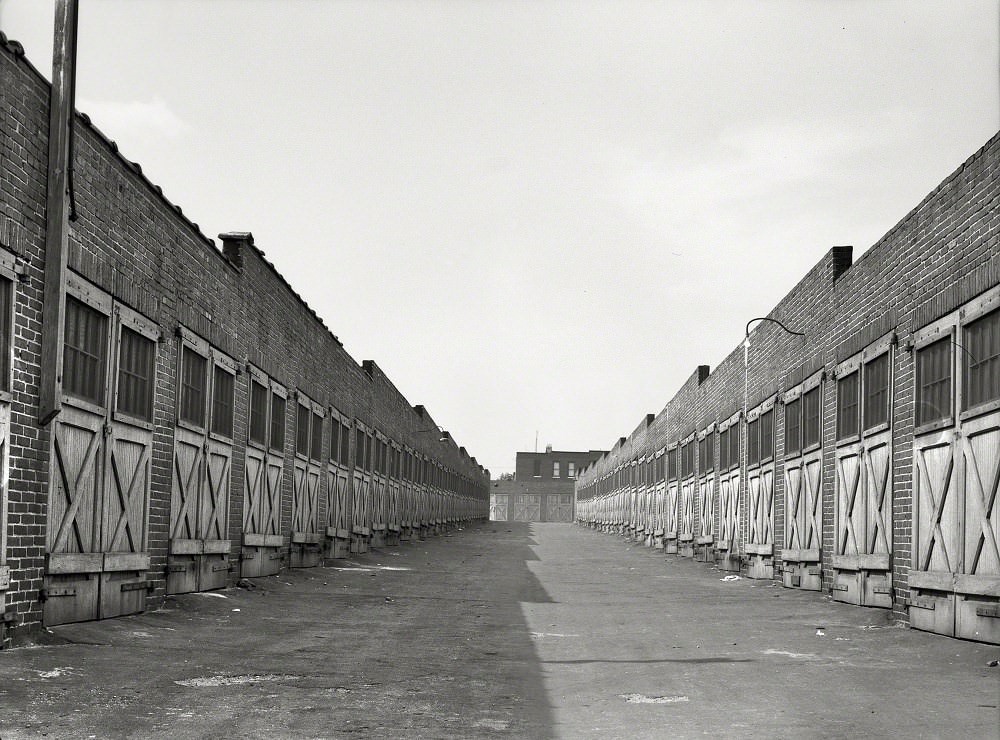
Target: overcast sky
{"x":538,"y":216}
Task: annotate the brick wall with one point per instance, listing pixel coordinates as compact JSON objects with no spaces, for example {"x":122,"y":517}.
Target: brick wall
{"x":942,"y":254}
{"x":130,"y":241}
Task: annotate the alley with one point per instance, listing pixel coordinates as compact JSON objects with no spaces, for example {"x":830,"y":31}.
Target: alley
{"x":500,"y":630}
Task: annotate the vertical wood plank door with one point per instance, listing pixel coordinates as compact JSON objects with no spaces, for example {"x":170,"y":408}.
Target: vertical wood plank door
{"x":862,"y":559}
{"x":185,"y":500}
{"x":499,"y":507}
{"x":533,"y":508}
{"x":686,"y":536}
{"x":305,"y":514}
{"x":977,"y":609}
{"x":100,"y":463}
{"x":338,"y":520}
{"x":559,"y":507}
{"x":728,"y":543}
{"x":802,"y":544}
{"x":706,"y":510}
{"x":863,"y":477}
{"x":955,"y":578}
{"x":73,"y":531}
{"x":670,"y":518}
{"x":760,"y":537}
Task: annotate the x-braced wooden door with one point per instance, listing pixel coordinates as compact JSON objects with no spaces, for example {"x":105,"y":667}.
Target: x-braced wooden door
{"x":729,"y":542}
{"x":955,"y":578}
{"x":706,"y":495}
{"x":760,"y":490}
{"x":688,"y":486}
{"x":305,"y":547}
{"x":203,"y":454}
{"x":862,"y":559}
{"x":98,"y":515}
{"x":670,"y":518}
{"x":262,"y":551}
{"x":338,"y":489}
{"x":361,"y":492}
{"x":801,"y":552}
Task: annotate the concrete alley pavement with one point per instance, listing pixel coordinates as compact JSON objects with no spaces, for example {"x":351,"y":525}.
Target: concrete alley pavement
{"x":501,"y":630}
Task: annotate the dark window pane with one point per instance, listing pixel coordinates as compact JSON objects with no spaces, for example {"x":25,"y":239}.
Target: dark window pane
{"x":258,"y":413}
{"x":767,"y":434}
{"x":537,"y":467}
{"x":847,"y":405}
{"x":84,"y":351}
{"x":811,"y":418}
{"x":876,"y":386}
{"x":316,"y":448}
{"x":6,"y":319}
{"x":981,"y":361}
{"x":753,"y":442}
{"x":724,"y":449}
{"x":223,"y":389}
{"x":135,"y":375}
{"x":359,"y":448}
{"x":672,"y":464}
{"x":707,"y":460}
{"x":734,"y":446}
{"x":369,"y":444}
{"x":687,"y":468}
{"x":934,"y":390}
{"x":793,"y":427}
{"x":277,"y":423}
{"x":193,"y":371}
{"x":335,"y":431}
{"x":302,"y":430}
{"x":345,"y":444}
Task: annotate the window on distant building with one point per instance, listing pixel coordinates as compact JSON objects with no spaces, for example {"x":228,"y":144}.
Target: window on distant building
{"x":537,"y":471}
{"x":555,"y":470}
{"x":571,"y":470}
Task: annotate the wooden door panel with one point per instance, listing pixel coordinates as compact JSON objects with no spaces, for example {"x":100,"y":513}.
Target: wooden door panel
{"x":938,"y":516}
{"x":213,"y":515}
{"x":851,"y":529}
{"x":124,"y":528}
{"x":981,"y":449}
{"x":187,"y":482}
{"x":878,"y":495}
{"x":271,"y":502}
{"x":77,"y":474}
{"x":254,"y":491}
{"x":707,"y":510}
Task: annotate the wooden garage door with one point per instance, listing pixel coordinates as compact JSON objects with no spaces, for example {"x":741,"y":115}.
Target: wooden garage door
{"x":338,"y":488}
{"x":360,"y":494}
{"x":309,"y":423}
{"x":559,"y":507}
{"x":803,"y":470}
{"x":729,"y":486}
{"x":527,"y":507}
{"x":760,"y":490}
{"x":100,"y":463}
{"x":955,"y":580}
{"x":862,"y":559}
{"x":706,"y":486}
{"x":203,"y":450}
{"x":498,"y":507}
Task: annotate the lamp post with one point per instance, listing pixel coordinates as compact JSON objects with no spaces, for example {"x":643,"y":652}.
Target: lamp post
{"x":746,"y":356}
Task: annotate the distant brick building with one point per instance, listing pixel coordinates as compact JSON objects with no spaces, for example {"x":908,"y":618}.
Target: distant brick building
{"x":542,"y":489}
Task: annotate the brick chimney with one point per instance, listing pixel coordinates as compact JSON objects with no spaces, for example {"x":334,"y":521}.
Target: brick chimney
{"x":233,"y":243}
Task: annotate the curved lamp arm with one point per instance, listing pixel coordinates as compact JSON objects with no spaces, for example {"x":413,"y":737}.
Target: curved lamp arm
{"x":773,"y":321}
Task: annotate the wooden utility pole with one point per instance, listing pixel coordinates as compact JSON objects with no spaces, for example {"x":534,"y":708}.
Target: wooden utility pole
{"x":57,"y":208}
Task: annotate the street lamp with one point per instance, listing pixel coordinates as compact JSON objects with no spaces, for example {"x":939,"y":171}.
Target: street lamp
{"x":746,"y":357}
